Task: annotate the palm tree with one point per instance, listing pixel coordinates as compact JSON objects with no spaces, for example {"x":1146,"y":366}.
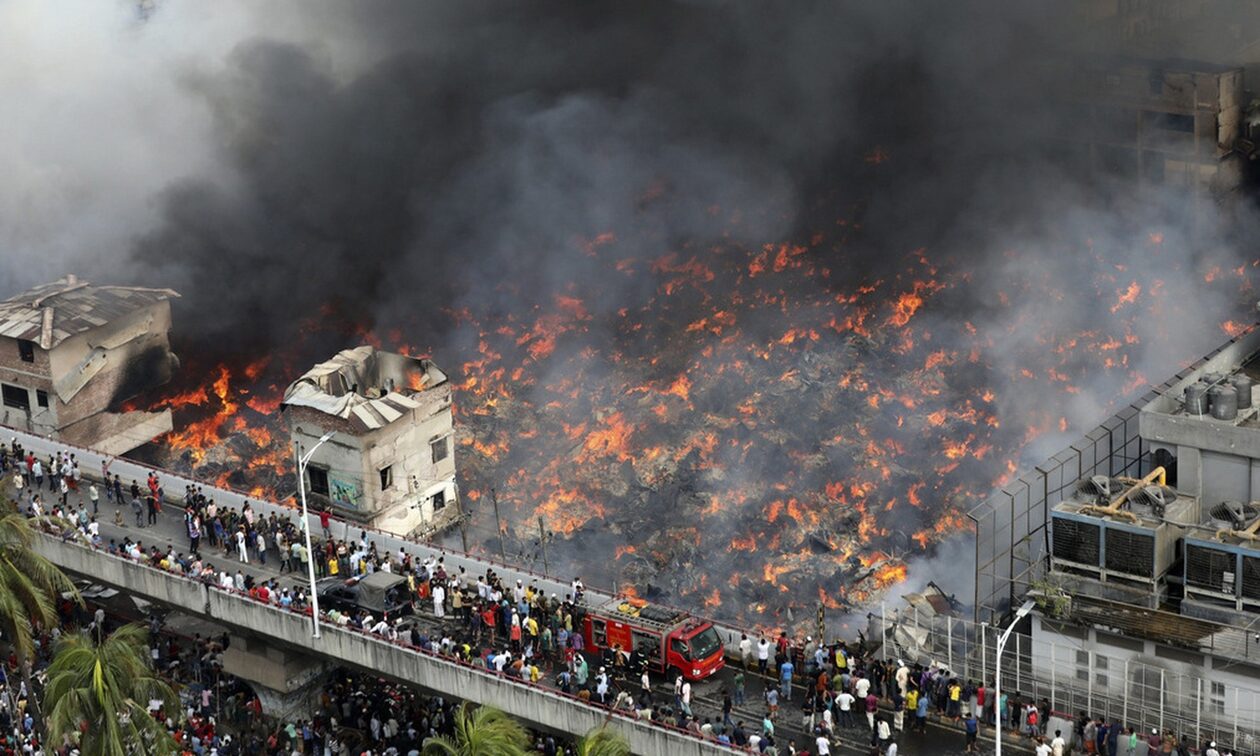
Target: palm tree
{"x":603,"y":742}
{"x":98,"y":693}
{"x":29,"y":586}
{"x":483,"y":731}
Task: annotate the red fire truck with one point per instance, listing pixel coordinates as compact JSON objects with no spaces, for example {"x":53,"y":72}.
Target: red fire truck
{"x":664,"y":640}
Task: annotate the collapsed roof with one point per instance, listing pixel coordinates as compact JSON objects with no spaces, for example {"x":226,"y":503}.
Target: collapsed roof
{"x":51,"y":313}
{"x":366,"y":387}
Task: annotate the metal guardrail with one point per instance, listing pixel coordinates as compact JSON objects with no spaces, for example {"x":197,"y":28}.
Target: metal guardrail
{"x":1148,"y":693}
{"x":242,"y":605}
{"x":90,"y":464}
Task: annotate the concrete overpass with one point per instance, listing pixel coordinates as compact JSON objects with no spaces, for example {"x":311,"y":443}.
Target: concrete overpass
{"x":279,"y":644}
{"x":273,"y":648}
{"x":173,"y":483}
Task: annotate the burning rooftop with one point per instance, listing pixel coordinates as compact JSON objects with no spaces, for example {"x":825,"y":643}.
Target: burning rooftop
{"x":389,"y":461}
{"x":369,"y":389}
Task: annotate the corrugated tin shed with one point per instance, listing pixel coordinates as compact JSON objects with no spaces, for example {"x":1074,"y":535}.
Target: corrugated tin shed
{"x":347,"y":386}
{"x":51,"y":313}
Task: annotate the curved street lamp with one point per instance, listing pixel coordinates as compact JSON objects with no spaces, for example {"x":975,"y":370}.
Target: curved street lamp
{"x":997,"y":683}
{"x":302,"y":462}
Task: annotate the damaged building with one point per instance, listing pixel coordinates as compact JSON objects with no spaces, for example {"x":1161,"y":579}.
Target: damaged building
{"x":1169,"y":122}
{"x":71,"y":353}
{"x":390,"y":463}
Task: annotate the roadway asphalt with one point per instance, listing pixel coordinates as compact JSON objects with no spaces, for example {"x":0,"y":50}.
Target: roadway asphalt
{"x":941,"y":739}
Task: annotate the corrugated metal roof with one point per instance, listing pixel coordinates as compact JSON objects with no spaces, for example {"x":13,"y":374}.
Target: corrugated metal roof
{"x":336,"y":387}
{"x":51,"y":313}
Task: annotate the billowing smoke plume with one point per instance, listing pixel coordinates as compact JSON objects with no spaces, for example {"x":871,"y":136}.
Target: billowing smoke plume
{"x":455,"y":168}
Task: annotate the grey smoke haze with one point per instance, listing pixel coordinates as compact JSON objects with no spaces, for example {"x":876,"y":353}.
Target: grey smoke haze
{"x":399,"y":161}
{"x":467,"y":141}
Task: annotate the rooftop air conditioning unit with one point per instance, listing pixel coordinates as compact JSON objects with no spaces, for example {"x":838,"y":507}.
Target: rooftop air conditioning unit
{"x":1120,"y":528}
{"x":1222,"y":562}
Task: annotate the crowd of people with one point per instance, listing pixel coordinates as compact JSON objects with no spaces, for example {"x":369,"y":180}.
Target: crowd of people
{"x":519,"y":630}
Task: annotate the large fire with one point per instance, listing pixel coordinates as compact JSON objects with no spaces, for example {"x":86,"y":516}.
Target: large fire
{"x":752,"y":431}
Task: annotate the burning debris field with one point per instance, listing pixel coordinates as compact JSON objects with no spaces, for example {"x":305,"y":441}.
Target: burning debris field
{"x":748,"y":439}
{"x":748,"y":306}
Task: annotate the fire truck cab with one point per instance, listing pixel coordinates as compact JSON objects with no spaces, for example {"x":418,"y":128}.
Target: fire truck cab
{"x":663,"y":640}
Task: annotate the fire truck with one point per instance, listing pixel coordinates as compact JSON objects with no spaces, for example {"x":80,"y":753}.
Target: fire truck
{"x":662,"y":640}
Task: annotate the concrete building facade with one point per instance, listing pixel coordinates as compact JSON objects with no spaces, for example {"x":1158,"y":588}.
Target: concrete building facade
{"x":1169,"y":123}
{"x":391,"y":461}
{"x":1148,"y":575}
{"x":71,"y":353}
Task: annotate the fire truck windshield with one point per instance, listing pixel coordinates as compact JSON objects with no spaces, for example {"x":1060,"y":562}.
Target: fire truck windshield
{"x":704,"y":644}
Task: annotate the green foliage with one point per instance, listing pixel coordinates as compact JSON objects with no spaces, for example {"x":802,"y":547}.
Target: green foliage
{"x":98,"y":693}
{"x":29,"y":583}
{"x":603,"y":742}
{"x":480,"y":731}
{"x":1051,"y":596}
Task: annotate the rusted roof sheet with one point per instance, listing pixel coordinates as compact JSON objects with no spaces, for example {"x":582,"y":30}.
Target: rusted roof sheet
{"x":51,"y":313}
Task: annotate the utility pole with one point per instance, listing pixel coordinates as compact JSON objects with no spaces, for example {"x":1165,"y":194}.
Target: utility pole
{"x":463,"y":520}
{"x":542,"y":538}
{"x":498,"y":522}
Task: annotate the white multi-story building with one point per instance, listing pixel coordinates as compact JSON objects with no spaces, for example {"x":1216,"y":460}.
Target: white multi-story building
{"x":390,"y":462}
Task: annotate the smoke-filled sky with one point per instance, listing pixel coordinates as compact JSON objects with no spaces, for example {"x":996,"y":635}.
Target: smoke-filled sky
{"x":402,"y":163}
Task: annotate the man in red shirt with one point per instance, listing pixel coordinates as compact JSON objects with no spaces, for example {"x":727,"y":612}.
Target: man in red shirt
{"x":325,"y":518}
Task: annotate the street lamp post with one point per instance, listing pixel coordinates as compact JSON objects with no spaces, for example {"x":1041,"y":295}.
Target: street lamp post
{"x":302,"y":461}
{"x":997,"y":670}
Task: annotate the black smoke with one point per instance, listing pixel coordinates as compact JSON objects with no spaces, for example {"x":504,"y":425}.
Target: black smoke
{"x":491,"y":136}
{"x":391,"y":165}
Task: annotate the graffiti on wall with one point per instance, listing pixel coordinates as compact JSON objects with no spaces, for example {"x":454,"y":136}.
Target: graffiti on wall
{"x":345,"y":493}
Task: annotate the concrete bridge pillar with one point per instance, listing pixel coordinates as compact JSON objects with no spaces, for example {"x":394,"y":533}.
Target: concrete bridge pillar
{"x":287,"y":683}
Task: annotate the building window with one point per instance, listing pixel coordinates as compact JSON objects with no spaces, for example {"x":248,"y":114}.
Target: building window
{"x":41,"y":398}
{"x":439,"y":500}
{"x":319,"y":480}
{"x":1082,"y":666}
{"x":1100,"y":671}
{"x":387,"y":477}
{"x":440,"y":449}
{"x":26,"y":350}
{"x":1218,"y":697}
{"x":16,"y":397}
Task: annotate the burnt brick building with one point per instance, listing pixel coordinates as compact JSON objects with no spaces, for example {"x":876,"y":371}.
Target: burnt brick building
{"x":71,"y":353}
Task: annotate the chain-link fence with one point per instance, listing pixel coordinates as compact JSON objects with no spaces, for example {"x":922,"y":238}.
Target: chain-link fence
{"x":1170,"y":692}
{"x":1011,"y":525}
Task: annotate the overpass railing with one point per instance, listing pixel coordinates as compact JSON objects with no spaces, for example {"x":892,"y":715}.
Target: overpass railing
{"x":1057,"y":664}
{"x":357,"y":647}
{"x":90,"y":464}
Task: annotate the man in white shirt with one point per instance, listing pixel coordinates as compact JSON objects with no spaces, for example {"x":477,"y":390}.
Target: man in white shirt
{"x":902,"y":677}
{"x":763,"y":655}
{"x":502,"y":660}
{"x":823,"y":746}
{"x":1042,"y":748}
{"x":439,"y":601}
{"x":885,"y":732}
{"x":846,"y":700}
{"x":745,"y":649}
{"x":1058,"y":746}
{"x":862,"y":687}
